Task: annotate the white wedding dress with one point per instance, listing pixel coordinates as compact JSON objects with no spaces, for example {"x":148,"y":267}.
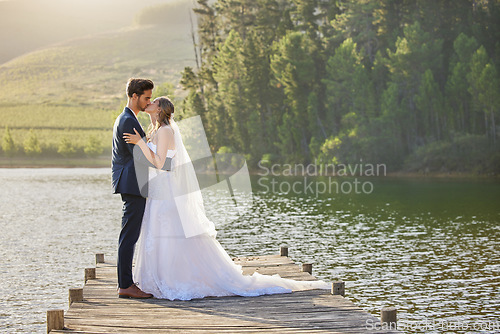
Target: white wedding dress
{"x":181,"y":259}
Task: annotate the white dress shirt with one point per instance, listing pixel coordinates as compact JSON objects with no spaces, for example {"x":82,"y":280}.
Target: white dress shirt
{"x":137,"y":119}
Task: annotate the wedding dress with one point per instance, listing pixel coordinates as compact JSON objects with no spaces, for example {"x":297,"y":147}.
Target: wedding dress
{"x":178,"y":256}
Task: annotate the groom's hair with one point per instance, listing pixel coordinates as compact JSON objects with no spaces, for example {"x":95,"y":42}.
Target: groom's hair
{"x":138,"y":86}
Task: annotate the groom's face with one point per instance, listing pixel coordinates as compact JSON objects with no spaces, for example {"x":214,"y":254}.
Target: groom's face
{"x":144,"y":100}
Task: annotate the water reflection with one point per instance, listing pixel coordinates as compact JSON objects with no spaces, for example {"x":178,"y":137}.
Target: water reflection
{"x":429,"y":247}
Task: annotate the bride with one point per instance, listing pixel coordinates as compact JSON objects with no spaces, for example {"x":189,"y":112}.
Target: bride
{"x":178,"y":255}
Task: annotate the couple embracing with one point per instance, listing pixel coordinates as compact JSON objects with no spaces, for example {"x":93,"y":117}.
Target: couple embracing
{"x":178,"y":256}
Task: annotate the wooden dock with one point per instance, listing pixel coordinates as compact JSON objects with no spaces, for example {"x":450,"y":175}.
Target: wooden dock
{"x":99,"y":310}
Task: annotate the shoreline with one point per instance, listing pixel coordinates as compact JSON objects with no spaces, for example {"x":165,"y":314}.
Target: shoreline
{"x":399,"y":174}
{"x":105,"y":162}
{"x":22,"y":162}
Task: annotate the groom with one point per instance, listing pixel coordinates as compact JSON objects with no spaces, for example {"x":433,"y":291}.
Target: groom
{"x":126,"y":180}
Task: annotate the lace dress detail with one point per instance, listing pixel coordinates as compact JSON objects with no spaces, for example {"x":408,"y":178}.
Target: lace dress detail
{"x":171,"y":266}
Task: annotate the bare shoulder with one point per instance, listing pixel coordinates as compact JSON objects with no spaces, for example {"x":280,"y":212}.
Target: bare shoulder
{"x":166,"y":133}
{"x":166,"y":129}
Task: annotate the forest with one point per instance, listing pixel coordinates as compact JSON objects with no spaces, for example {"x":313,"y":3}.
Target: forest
{"x":413,"y":85}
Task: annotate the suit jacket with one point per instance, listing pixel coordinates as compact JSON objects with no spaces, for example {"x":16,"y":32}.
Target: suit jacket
{"x":128,"y":173}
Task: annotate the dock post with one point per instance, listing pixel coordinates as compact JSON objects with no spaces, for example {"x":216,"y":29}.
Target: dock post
{"x":307,"y":267}
{"x":75,"y":295}
{"x":89,"y":274}
{"x":283,"y":251}
{"x":55,"y":320}
{"x":99,"y":258}
{"x":388,"y":317}
{"x":338,"y":288}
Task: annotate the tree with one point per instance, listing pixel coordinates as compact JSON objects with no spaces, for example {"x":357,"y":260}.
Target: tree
{"x":429,"y":105}
{"x":208,"y":31}
{"x":259,"y":95}
{"x":272,"y":20}
{"x":8,"y":145}
{"x":489,"y":97}
{"x":458,"y":97}
{"x":486,"y":27}
{"x":294,"y":70}
{"x":343,"y":79}
{"x":93,"y":147}
{"x":315,"y":125}
{"x":194,"y":103}
{"x":390,"y":18}
{"x":478,"y":64}
{"x":239,"y":15}
{"x":209,"y":39}
{"x":164,"y":89}
{"x":306,"y":17}
{"x":228,"y":71}
{"x":347,"y":85}
{"x":357,"y":22}
{"x":66,"y":147}
{"x":415,"y":52}
{"x":395,"y":118}
{"x":31,"y":144}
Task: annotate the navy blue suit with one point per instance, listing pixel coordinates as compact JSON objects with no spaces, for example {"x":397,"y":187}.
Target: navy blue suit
{"x":127,"y":175}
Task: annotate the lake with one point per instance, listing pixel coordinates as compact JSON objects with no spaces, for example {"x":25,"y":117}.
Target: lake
{"x":428,"y":246}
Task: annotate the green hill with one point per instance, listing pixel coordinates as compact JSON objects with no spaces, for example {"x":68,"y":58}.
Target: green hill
{"x":75,"y":88}
{"x":27,"y":25}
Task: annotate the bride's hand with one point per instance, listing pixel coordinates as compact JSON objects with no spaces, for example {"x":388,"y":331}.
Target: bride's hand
{"x":132,"y":138}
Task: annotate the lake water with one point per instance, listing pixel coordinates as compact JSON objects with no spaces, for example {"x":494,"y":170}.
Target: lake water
{"x":430,"y":247}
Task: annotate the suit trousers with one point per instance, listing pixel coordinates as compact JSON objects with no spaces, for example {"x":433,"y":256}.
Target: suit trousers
{"x":133,"y":211}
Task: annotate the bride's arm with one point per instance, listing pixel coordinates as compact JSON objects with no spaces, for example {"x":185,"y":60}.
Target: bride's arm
{"x":165,"y":143}
{"x":136,"y":139}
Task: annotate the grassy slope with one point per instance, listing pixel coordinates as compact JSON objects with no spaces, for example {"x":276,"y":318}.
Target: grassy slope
{"x":95,"y":69}
{"x":74,"y":89}
{"x":27,"y":25}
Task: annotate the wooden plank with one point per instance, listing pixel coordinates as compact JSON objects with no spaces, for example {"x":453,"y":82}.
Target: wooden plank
{"x":186,"y":330}
{"x":315,"y":311}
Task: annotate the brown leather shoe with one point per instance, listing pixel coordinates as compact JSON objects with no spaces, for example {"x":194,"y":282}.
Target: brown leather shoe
{"x":133,"y":292}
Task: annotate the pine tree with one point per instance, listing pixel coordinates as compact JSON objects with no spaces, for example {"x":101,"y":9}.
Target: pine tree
{"x":478,"y":63}
{"x":306,"y":18}
{"x":489,"y":98}
{"x":239,"y":15}
{"x":415,"y":53}
{"x":259,"y":96}
{"x":395,"y":118}
{"x":280,"y":77}
{"x":194,"y":103}
{"x":341,"y":88}
{"x":208,"y":30}
{"x":458,"y":97}
{"x":429,"y":105}
{"x":272,"y":21}
{"x":390,"y":18}
{"x":357,"y":22}
{"x":228,"y":72}
{"x":294,"y":70}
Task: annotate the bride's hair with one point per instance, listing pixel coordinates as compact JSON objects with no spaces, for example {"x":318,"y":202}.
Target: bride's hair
{"x":166,"y":111}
